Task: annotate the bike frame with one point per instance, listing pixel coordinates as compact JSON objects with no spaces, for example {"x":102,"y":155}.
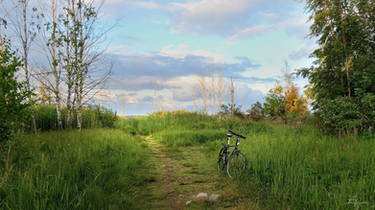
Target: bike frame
{"x":226,"y":148}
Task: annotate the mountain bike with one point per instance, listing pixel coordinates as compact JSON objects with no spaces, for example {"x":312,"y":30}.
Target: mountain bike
{"x":236,"y":162}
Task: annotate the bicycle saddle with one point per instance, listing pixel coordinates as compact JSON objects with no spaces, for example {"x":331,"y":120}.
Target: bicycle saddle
{"x":229,"y":135}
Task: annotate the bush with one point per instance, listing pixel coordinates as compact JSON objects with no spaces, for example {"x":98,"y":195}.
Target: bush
{"x":14,"y":95}
{"x":256,"y":112}
{"x":226,"y":111}
{"x":341,"y":115}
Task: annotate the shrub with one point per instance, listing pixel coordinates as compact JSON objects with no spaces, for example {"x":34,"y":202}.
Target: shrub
{"x":256,"y":112}
{"x":341,"y":115}
{"x":14,"y":95}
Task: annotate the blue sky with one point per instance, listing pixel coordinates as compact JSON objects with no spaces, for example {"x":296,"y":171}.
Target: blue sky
{"x":165,"y":45}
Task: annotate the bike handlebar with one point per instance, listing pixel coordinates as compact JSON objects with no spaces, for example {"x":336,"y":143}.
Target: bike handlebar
{"x":238,"y":135}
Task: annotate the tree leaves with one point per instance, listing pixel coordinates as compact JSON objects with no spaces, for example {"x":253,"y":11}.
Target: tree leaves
{"x":344,"y":69}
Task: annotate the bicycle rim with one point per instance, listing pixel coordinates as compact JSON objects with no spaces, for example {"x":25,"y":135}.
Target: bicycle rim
{"x":220,"y":161}
{"x":236,"y":164}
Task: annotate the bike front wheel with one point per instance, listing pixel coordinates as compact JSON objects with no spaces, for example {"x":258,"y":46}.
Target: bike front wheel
{"x":237,"y":163}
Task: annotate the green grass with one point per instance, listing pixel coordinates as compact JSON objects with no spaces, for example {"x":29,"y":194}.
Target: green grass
{"x":94,"y":117}
{"x":288,"y":167}
{"x":98,"y":169}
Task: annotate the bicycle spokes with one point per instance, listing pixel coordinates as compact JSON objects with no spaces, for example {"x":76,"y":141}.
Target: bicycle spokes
{"x":236,"y":164}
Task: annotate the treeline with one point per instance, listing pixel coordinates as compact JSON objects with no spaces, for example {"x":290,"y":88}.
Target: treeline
{"x":342,"y":77}
{"x":284,"y":104}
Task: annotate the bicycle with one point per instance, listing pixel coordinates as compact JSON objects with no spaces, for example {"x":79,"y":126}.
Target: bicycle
{"x":237,"y":161}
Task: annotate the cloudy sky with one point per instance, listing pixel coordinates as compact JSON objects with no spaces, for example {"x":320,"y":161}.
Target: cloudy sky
{"x":161,"y":47}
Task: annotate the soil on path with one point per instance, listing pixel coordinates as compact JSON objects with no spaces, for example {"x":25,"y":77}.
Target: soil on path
{"x":182,"y":174}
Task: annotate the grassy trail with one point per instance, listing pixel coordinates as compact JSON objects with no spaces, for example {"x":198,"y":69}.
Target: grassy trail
{"x":182,"y":174}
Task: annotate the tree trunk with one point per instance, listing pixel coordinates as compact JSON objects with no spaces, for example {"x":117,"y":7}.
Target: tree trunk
{"x":68,"y":68}
{"x":25,"y":64}
{"x":82,"y":67}
{"x":232,"y":97}
{"x":202,"y":82}
{"x":213,"y":92}
{"x":54,"y":66}
{"x":1,"y":43}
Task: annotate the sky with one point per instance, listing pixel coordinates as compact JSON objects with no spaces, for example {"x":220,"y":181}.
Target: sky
{"x":160,"y":48}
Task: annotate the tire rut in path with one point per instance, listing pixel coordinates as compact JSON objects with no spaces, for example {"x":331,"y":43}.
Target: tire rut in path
{"x":166,"y":176}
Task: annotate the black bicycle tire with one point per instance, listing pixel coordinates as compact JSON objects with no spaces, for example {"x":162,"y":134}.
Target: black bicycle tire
{"x":230,"y":159}
{"x":220,"y":160}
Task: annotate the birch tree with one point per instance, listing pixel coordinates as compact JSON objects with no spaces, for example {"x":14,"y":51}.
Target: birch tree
{"x":202,"y":83}
{"x":220,"y":88}
{"x":213,"y":91}
{"x":85,"y":65}
{"x":232,"y":97}
{"x":69,"y":74}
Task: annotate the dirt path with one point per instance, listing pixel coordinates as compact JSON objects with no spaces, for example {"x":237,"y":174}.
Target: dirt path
{"x":183,"y":174}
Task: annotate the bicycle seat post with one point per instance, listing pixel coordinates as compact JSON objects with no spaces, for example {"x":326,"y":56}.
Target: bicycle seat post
{"x":229,"y":136}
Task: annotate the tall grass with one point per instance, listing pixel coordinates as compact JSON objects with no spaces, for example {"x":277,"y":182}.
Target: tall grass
{"x":94,"y":117}
{"x":288,"y":167}
{"x":98,"y":169}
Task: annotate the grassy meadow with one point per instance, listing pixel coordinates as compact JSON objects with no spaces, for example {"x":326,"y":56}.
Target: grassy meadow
{"x":95,"y":169}
{"x":289,"y":167}
{"x":112,"y":168}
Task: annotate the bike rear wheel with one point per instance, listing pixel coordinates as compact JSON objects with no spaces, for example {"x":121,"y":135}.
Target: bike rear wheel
{"x":221,"y":160}
{"x":237,"y":163}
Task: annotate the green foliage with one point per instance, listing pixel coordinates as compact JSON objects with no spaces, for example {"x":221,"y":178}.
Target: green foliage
{"x":92,"y":117}
{"x":344,"y":63}
{"x":256,"y":112}
{"x":14,"y":94}
{"x":95,"y":169}
{"x":340,"y":114}
{"x":226,"y":111}
{"x":274,"y":105}
{"x":367,"y":109}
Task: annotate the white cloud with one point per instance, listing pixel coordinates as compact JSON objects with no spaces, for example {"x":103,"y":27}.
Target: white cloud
{"x":205,"y":16}
{"x":146,"y":4}
{"x":248,"y":32}
{"x":181,"y":51}
{"x":262,"y":87}
{"x":105,"y":95}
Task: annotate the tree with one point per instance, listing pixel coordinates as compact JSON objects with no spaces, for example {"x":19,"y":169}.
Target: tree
{"x":76,"y":61}
{"x":14,"y":95}
{"x":256,"y":112}
{"x":295,"y":105}
{"x":50,"y":74}
{"x":220,"y":88}
{"x":21,"y":24}
{"x":274,"y":105}
{"x":202,"y":83}
{"x":345,"y":60}
{"x":90,"y":67}
{"x":69,"y":73}
{"x":213,"y":91}
{"x":226,"y":110}
{"x":232,"y":97}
